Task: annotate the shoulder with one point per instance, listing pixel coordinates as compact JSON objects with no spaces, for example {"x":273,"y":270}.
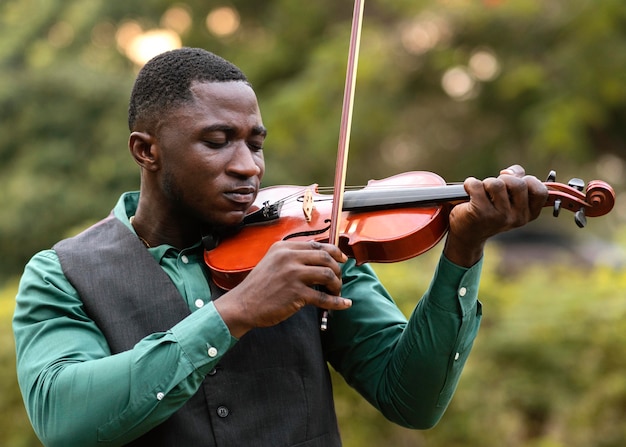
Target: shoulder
{"x":43,"y":270}
{"x":44,"y":260}
{"x":95,"y":231}
{"x":44,"y":292}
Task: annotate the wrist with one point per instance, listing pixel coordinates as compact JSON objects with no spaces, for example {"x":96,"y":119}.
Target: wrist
{"x":463,"y":253}
{"x":233,"y":315}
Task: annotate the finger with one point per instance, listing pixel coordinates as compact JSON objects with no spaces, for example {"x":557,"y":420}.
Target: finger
{"x":323,"y":300}
{"x":476,"y":190}
{"x":497,"y":190}
{"x":486,"y":194}
{"x":537,"y":195}
{"x":516,"y":191}
{"x":527,"y":193}
{"x":331,"y":249}
{"x":515,"y":170}
{"x":326,"y":277}
{"x":312,"y":259}
{"x":519,"y":202}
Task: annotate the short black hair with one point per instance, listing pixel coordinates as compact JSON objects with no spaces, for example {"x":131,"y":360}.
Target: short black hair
{"x":163,"y":83}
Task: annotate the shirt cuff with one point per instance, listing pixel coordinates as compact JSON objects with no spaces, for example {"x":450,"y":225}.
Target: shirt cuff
{"x":204,"y":337}
{"x":455,"y":288}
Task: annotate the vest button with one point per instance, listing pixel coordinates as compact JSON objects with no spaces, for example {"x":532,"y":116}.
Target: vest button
{"x":223,"y":412}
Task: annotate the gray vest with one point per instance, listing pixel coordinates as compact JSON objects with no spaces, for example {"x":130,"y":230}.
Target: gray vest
{"x":272,"y":389}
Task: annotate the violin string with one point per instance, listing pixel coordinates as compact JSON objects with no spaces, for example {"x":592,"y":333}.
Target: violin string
{"x":385,"y":187}
{"x":293,"y":199}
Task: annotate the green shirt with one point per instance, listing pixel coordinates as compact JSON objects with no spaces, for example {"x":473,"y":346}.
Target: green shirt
{"x":76,"y":392}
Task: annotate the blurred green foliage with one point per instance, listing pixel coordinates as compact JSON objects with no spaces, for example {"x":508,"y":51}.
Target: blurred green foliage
{"x":482,"y":83}
{"x":458,"y":87}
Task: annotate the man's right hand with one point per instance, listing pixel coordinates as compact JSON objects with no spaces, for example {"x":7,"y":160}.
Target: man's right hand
{"x":282,"y":284}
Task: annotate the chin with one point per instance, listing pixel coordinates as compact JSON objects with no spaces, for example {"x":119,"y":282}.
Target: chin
{"x":226,"y":222}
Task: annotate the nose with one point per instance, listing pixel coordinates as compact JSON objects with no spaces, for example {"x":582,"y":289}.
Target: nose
{"x":245,"y":162}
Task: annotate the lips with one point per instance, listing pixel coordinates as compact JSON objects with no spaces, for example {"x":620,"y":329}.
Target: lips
{"x":242,"y":195}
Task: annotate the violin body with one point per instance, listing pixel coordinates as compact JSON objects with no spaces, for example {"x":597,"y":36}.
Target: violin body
{"x":383,"y":235}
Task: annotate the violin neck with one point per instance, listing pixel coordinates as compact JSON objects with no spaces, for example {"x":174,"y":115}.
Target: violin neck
{"x":405,"y":197}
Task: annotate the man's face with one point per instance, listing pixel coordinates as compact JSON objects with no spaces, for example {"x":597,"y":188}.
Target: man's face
{"x":212,"y":154}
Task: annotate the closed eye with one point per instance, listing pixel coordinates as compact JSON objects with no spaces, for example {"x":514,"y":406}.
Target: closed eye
{"x":257,"y":147}
{"x":216,"y":144}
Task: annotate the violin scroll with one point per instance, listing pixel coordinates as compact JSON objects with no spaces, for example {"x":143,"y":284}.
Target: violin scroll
{"x":597,"y":199}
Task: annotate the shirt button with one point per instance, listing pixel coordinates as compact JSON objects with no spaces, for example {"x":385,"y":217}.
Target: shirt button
{"x":223,"y":411}
{"x":456,"y":356}
{"x":199,"y":303}
{"x":212,"y":351}
{"x":160,"y":396}
{"x":185,"y":259}
{"x":213,"y":372}
{"x":462,"y":291}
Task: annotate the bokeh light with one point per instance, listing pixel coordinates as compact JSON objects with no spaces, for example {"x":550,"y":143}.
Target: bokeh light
{"x":424,"y":33}
{"x":223,"y":21}
{"x":458,"y":83}
{"x":125,"y":34}
{"x":177,"y":18}
{"x":141,"y":46}
{"x":484,"y":65}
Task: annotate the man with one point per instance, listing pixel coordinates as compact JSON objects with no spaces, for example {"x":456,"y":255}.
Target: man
{"x":122,"y":338}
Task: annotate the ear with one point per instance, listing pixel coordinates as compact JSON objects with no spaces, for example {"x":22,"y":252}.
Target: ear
{"x":144,"y":150}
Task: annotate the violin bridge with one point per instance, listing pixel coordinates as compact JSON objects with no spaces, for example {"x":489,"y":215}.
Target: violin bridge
{"x":307,"y":204}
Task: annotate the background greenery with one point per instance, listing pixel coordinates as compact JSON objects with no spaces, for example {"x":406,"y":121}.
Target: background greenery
{"x":548,"y":366}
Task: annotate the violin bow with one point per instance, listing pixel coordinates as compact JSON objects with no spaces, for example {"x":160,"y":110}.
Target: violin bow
{"x":344,"y":131}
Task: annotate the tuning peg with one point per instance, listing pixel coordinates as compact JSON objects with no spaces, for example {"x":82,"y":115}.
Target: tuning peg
{"x":557,"y":208}
{"x":580,"y":219}
{"x":577,"y":183}
{"x":551,"y":176}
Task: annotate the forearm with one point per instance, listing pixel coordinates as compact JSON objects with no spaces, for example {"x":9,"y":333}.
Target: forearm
{"x":75,"y":391}
{"x":77,"y":399}
{"x":427,"y":362}
{"x":407,"y":370}
{"x":113,"y":399}
{"x":84,"y":403}
{"x":462,"y":253}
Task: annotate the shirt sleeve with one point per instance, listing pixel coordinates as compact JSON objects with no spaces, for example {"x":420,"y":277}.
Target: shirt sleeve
{"x":409,"y":370}
{"x":75,"y":391}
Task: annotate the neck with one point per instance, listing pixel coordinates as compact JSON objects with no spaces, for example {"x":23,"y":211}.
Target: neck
{"x":155,"y":227}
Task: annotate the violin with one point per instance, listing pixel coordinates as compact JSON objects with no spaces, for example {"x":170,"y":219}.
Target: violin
{"x":388,"y":220}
